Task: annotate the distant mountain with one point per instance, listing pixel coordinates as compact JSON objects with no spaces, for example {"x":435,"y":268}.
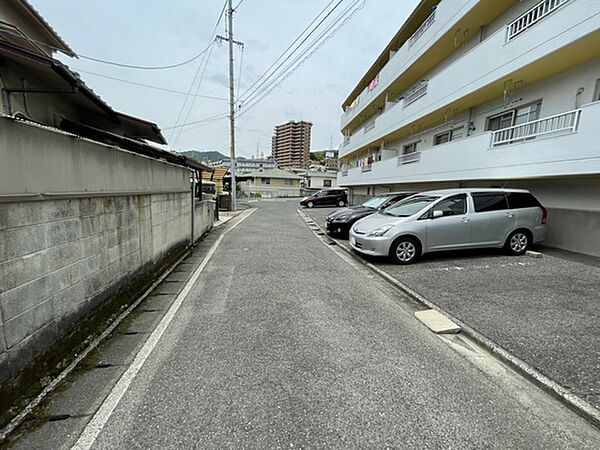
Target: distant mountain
{"x":209,"y":156}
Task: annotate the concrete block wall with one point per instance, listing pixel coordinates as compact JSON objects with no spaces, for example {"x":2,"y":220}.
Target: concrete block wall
{"x":59,"y":258}
{"x":204,"y":217}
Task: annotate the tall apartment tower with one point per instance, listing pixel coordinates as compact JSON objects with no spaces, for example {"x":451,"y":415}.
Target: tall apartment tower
{"x":290,"y":144}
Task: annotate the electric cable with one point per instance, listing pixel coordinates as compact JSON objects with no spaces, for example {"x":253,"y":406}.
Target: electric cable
{"x":197,"y":73}
{"x":149,"y":86}
{"x":293,"y":43}
{"x":290,"y":69}
{"x":314,"y":42}
{"x":112,"y":63}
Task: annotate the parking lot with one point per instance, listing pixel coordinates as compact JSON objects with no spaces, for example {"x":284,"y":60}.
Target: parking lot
{"x":543,"y":310}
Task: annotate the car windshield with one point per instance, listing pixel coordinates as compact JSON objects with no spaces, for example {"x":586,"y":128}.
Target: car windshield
{"x":409,"y":206}
{"x":376,"y":202}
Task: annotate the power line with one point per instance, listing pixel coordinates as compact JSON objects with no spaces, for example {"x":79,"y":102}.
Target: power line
{"x":256,"y":92}
{"x":149,"y":86}
{"x":212,"y":41}
{"x":112,"y":63}
{"x":205,"y":120}
{"x":292,"y":44}
{"x":187,"y":114}
{"x":238,"y":5}
{"x":290,"y":69}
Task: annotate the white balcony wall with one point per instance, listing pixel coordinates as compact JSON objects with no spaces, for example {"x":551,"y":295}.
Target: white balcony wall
{"x":472,"y":158}
{"x":574,"y":20}
{"x":446,"y":15}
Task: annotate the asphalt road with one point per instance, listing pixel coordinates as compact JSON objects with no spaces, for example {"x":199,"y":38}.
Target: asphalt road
{"x":545,"y":311}
{"x":283,"y":344}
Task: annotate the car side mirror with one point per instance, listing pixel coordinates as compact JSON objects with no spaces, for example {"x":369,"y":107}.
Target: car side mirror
{"x":437,"y":214}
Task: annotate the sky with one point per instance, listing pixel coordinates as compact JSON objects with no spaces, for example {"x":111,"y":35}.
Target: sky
{"x":159,"y":32}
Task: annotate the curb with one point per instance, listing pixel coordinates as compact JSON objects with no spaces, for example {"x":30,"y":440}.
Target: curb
{"x":573,"y":401}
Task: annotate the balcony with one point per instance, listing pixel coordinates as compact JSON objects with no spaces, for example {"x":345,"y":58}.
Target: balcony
{"x":421,"y":30}
{"x":369,"y":126}
{"x":561,"y":145}
{"x":366,"y":167}
{"x":533,"y":16}
{"x":560,"y":123}
{"x":451,"y":84}
{"x":415,"y":94}
{"x":409,"y":158}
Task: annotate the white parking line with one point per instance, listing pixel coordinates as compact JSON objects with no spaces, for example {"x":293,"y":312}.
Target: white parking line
{"x":94,"y":427}
{"x":479,"y":267}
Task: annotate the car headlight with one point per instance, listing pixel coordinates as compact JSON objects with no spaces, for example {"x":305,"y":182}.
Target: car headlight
{"x":381,"y":230}
{"x":341,"y":218}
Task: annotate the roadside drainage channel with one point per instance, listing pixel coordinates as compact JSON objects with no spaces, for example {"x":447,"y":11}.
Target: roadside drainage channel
{"x":162,"y":288}
{"x":567,"y":397}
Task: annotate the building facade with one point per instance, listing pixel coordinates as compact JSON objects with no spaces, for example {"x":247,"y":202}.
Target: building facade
{"x":290,"y":145}
{"x":245,"y":166}
{"x":486,"y":93}
{"x":272,"y":184}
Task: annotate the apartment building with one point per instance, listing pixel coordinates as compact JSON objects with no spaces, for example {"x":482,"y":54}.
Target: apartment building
{"x":290,"y":145}
{"x":486,"y":93}
{"x":245,"y":166}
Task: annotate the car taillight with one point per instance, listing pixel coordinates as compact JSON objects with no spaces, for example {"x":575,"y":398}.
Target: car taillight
{"x":544,"y":215}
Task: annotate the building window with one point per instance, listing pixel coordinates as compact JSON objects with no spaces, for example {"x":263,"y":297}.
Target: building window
{"x":326,"y":183}
{"x":597,"y":91}
{"x":523,"y":114}
{"x":448,"y":136}
{"x":289,"y":182}
{"x":409,"y":148}
{"x":265,"y":181}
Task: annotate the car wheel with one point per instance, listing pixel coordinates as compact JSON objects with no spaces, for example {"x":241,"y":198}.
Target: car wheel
{"x":518,"y":242}
{"x":310,"y":204}
{"x":405,"y":250}
{"x":341,"y":203}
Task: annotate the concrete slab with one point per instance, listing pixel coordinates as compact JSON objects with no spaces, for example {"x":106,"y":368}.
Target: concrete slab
{"x":437,"y":322}
{"x":86,"y":392}
{"x":122,"y":349}
{"x":143,"y":323}
{"x":178,"y":276}
{"x":158,"y":302}
{"x":56,"y":434}
{"x":533,"y":254}
{"x":169,"y":287}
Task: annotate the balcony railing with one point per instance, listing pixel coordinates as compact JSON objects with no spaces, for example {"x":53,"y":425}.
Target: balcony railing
{"x":344,"y":170}
{"x":415,"y":94}
{"x":421,"y":30}
{"x":346,"y":141}
{"x":366,"y":167}
{"x":560,"y":123}
{"x":533,"y":16}
{"x":369,"y":126}
{"x":408,"y":158}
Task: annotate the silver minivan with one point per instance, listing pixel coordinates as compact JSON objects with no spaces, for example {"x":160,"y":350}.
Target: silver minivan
{"x":452,"y":219}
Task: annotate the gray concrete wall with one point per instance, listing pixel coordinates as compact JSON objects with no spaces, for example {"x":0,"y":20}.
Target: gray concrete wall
{"x":38,"y":162}
{"x":59,"y":258}
{"x":204,"y":217}
{"x":80,"y":224}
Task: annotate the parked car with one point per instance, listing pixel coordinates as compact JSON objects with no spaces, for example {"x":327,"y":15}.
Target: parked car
{"x":340,"y":221}
{"x":452,"y":219}
{"x":330,"y":197}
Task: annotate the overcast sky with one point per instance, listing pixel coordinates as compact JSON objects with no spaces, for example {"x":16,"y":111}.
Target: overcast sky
{"x":159,"y":32}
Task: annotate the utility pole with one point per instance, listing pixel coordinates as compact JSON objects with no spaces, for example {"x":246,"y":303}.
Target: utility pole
{"x":232,"y":157}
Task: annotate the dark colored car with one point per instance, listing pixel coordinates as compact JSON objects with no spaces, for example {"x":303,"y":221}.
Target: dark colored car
{"x":340,"y":221}
{"x":329,"y":197}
